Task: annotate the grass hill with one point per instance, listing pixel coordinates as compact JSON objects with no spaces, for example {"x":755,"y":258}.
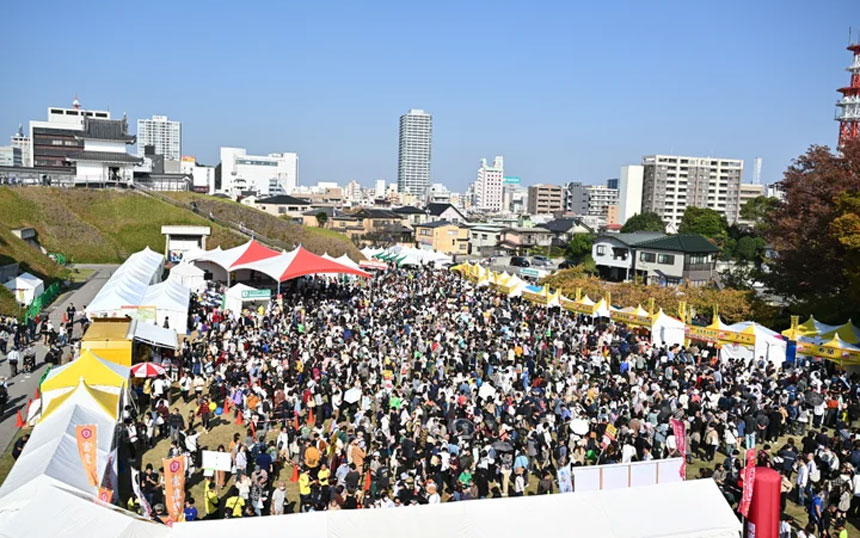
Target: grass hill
{"x":105,"y":226}
{"x":30,"y":260}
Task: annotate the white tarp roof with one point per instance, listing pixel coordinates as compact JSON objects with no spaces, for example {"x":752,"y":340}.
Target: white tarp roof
{"x":667,"y":330}
{"x":167,"y":295}
{"x":25,"y":281}
{"x":154,"y":335}
{"x":692,"y":509}
{"x":186,"y":269}
{"x":52,"y":451}
{"x":768,"y":344}
{"x":62,"y":513}
{"x":128,"y":283}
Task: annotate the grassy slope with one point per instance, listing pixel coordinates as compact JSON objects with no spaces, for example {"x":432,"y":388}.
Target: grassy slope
{"x":30,"y":260}
{"x":316,"y":240}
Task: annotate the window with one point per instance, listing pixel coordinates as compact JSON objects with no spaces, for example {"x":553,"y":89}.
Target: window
{"x":282,"y":210}
{"x":648,"y":257}
{"x":601,"y":250}
{"x":666,"y":259}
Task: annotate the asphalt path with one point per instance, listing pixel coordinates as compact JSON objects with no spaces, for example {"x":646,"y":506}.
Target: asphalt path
{"x":22,"y":388}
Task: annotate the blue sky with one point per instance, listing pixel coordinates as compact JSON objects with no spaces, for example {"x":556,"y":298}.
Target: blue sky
{"x":564,"y":90}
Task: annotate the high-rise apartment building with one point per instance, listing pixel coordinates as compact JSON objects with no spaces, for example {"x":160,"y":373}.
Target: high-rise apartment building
{"x":630,"y":192}
{"x":488,"y":185}
{"x":599,"y":199}
{"x":749,"y":191}
{"x":545,"y":199}
{"x":673,"y":182}
{"x":575,"y":198}
{"x":413,"y":163}
{"x":21,"y":141}
{"x":164,"y":135}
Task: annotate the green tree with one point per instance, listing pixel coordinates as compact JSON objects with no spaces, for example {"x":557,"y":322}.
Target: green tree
{"x":704,"y":221}
{"x":579,"y":246}
{"x":749,"y":249}
{"x":758,"y":211}
{"x":322,"y":218}
{"x":644,"y":222}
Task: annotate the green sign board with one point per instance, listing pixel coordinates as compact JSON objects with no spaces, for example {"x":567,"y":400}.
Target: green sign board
{"x":256,"y":294}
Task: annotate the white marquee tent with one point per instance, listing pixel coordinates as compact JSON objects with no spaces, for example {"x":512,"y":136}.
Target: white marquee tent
{"x":25,"y":287}
{"x":667,"y":330}
{"x":189,"y":275}
{"x":768,"y":344}
{"x":171,"y":300}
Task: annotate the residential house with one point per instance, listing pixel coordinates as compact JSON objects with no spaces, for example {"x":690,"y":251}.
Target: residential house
{"x":447,"y":237}
{"x":484,"y":239}
{"x":413,"y":215}
{"x":382,"y":226}
{"x":446,"y":212}
{"x":563,"y":229}
{"x":522,"y":239}
{"x":283,"y":205}
{"x":674,"y":259}
{"x":613,"y":253}
{"x":311,"y":216}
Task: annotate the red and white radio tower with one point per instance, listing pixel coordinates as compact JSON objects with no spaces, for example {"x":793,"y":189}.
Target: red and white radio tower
{"x":848,"y":109}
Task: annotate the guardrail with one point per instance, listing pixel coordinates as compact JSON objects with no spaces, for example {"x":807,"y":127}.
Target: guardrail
{"x":42,"y":301}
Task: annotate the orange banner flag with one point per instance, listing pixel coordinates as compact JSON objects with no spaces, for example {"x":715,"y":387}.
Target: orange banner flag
{"x":174,"y":486}
{"x":106,"y":495}
{"x":86,"y":435}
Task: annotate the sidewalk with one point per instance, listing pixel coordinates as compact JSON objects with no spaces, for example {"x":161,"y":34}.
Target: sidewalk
{"x":23,"y":386}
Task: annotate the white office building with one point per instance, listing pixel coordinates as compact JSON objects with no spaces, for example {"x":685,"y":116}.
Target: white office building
{"x":163,"y":134}
{"x":264,"y":175}
{"x":438,"y":194}
{"x":379,"y":189}
{"x":10,"y":156}
{"x":673,"y":182}
{"x":202,"y":176}
{"x":488,"y":185}
{"x":630,"y":192}
{"x":413,"y":165}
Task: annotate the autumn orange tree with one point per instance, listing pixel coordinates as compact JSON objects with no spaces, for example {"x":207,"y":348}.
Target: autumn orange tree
{"x":814,"y":232}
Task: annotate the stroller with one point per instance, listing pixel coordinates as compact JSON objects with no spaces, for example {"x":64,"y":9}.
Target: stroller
{"x":29,"y":360}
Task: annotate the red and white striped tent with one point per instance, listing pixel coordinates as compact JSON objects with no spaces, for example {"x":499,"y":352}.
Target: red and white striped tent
{"x":298,"y":262}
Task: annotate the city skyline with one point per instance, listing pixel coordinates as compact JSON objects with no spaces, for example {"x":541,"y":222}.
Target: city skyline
{"x":582,"y":94}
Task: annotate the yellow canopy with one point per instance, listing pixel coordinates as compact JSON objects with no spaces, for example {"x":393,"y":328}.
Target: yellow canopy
{"x":847,"y":333}
{"x":86,"y":396}
{"x":90,"y":367}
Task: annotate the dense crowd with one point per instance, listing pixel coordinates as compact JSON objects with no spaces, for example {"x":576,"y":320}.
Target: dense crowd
{"x":415,"y":387}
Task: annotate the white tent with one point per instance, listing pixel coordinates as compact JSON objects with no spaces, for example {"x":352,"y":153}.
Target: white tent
{"x":60,"y":512}
{"x":694,"y":508}
{"x":190,"y":276}
{"x":145,"y":265}
{"x":347,"y":261}
{"x":127,"y":285}
{"x":154,"y":335}
{"x":171,"y":300}
{"x":234,"y":300}
{"x":601,"y":310}
{"x":369,"y":252}
{"x":51,"y":454}
{"x":666,"y":330}
{"x":26,"y":287}
{"x":768,"y":344}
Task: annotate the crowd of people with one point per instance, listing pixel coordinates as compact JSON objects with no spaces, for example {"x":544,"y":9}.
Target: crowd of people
{"x":414,"y":387}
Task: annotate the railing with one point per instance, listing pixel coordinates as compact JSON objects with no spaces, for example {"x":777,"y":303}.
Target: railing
{"x":42,"y":301}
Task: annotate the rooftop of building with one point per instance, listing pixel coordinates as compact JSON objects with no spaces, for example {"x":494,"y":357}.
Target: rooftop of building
{"x":687,"y":243}
{"x":107,"y":130}
{"x":564,"y":224}
{"x":436,"y":224}
{"x":375,"y":213}
{"x":283,"y":199}
{"x":436,"y":209}
{"x":634,"y":238}
{"x":409,"y":210}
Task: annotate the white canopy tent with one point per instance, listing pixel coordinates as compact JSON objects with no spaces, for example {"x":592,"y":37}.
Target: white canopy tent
{"x":768,"y":344}
{"x":153,"y":335}
{"x":190,"y":276}
{"x":25,"y":287}
{"x":234,"y":300}
{"x":666,"y":330}
{"x":127,"y":285}
{"x":694,"y":508}
{"x":171,"y":301}
{"x":145,"y":265}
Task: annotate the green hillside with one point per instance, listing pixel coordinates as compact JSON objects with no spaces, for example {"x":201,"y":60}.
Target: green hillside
{"x":30,"y":260}
{"x":105,"y":226}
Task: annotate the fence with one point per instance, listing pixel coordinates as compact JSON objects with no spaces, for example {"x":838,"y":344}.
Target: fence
{"x":42,"y":301}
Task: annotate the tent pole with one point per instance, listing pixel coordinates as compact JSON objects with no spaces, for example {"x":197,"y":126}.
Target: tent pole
{"x":279,"y":287}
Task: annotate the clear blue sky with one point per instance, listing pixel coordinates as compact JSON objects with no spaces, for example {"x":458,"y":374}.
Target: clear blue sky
{"x":565,"y":91}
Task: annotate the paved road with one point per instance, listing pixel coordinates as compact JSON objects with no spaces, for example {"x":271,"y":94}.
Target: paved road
{"x":23,"y":386}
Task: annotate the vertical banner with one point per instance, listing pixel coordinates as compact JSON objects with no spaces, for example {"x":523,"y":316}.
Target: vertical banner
{"x":749,"y":482}
{"x":174,"y":486}
{"x":88,"y":451}
{"x":680,"y":431}
{"x":565,"y":480}
{"x":135,"y":486}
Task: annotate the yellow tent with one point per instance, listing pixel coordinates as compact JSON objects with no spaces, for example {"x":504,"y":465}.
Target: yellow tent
{"x":97,"y":400}
{"x":847,"y":333}
{"x":94,"y":370}
{"x":110,"y":340}
{"x":809,"y":328}
{"x":631,"y":316}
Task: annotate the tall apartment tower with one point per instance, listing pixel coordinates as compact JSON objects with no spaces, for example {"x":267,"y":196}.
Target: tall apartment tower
{"x":673,"y":182}
{"x":413,"y":164}
{"x":545,"y":200}
{"x":488,"y":185}
{"x":575,"y":198}
{"x":163,"y":134}
{"x":848,"y":108}
{"x":630,"y":192}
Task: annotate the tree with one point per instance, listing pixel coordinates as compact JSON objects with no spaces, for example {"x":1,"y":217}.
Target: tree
{"x":644,"y":222}
{"x":758,"y":211}
{"x":749,"y":249}
{"x":579,"y":246}
{"x":704,"y":221}
{"x":322,"y":218}
{"x":813,"y":263}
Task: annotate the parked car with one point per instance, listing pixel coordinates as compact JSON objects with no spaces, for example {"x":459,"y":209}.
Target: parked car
{"x":520,"y":261}
{"x":541,"y":261}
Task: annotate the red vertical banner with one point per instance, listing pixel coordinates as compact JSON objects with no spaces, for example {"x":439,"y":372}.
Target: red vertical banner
{"x":749,"y":482}
{"x":174,"y":486}
{"x":680,"y":431}
{"x":87,"y":438}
